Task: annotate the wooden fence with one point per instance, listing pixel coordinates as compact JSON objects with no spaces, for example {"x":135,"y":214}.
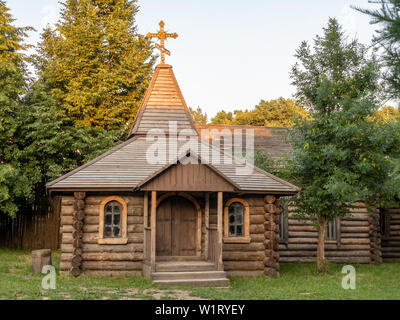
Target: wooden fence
{"x":32,"y":230}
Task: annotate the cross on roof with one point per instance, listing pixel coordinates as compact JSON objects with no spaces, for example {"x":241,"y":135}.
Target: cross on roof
{"x":162,"y":36}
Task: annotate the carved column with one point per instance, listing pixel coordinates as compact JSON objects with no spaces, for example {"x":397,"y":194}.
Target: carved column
{"x":77,"y":234}
{"x":375,"y":238}
{"x":271,"y":240}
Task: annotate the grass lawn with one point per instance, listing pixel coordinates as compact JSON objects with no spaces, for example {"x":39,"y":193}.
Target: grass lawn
{"x":297,"y":281}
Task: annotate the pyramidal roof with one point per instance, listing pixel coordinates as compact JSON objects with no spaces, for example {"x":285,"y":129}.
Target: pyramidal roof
{"x":127,"y":167}
{"x":163,"y":103}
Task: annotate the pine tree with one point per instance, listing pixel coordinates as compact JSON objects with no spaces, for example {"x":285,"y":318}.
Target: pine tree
{"x":13,"y":85}
{"x":388,"y":39}
{"x":95,"y":63}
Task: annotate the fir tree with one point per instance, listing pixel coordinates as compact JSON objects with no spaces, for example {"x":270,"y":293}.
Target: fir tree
{"x":95,"y":63}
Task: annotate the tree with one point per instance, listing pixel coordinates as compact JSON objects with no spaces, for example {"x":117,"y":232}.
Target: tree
{"x":13,"y":85}
{"x":274,"y":113}
{"x":198,"y":115}
{"x":388,"y":38}
{"x":222,"y":117}
{"x":386,"y":113}
{"x":340,"y":156}
{"x":97,"y":63}
{"x":53,"y":145}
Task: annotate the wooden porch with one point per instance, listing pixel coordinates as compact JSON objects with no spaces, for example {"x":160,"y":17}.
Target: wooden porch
{"x":203,"y":268}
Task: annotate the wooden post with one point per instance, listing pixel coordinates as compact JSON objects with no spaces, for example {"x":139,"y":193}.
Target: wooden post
{"x":220,"y":265}
{"x":153,"y":229}
{"x":207,"y":224}
{"x":145,"y":221}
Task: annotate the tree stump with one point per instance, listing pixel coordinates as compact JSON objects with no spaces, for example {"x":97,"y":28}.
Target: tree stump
{"x":40,"y":258}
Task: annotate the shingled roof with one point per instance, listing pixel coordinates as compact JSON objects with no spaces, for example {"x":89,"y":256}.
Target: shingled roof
{"x":127,"y":166}
{"x":270,"y":139}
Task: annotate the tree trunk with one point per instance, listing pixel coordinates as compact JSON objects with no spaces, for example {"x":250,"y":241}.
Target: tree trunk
{"x":321,"y":263}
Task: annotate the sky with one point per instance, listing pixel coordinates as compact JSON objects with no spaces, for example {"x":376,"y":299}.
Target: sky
{"x":230,"y":54}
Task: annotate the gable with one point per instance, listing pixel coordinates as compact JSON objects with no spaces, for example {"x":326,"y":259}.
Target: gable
{"x":188,"y":177}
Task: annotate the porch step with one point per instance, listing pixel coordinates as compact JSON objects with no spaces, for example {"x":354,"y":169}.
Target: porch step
{"x":184,"y":266}
{"x":197,"y":275}
{"x":222,"y":282}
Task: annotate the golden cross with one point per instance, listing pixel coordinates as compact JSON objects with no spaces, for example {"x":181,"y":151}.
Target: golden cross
{"x":162,"y":36}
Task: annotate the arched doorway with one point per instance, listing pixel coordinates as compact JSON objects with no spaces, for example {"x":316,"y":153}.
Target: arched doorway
{"x":176,"y":227}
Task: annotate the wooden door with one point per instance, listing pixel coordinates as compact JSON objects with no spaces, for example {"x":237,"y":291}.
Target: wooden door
{"x":176,"y":228}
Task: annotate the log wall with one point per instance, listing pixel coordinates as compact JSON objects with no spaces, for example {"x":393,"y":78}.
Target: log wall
{"x":358,"y":240}
{"x":99,"y":258}
{"x":391,"y":243}
{"x":248,"y":259}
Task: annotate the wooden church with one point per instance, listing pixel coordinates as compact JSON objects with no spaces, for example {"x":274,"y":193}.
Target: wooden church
{"x":182,"y":220}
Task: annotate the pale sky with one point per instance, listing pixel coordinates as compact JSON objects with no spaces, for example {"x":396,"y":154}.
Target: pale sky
{"x":230,"y":54}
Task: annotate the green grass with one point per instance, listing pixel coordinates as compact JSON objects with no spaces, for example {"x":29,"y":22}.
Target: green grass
{"x":297,"y":281}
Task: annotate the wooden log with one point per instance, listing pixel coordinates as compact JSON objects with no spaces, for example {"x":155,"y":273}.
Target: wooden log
{"x":257,"y":219}
{"x":244,"y":256}
{"x":112,"y":265}
{"x":67,"y":210}
{"x":80,"y":195}
{"x":355,"y":229}
{"x":270,"y":208}
{"x":76,"y":271}
{"x":270,"y":199}
{"x":257,"y":229}
{"x":243,"y":265}
{"x":106,"y":256}
{"x":243,"y":247}
{"x":79,"y":215}
{"x":79,"y":205}
{"x":247,"y":274}
{"x":86,"y":247}
{"x":76,"y":261}
{"x":67,"y":201}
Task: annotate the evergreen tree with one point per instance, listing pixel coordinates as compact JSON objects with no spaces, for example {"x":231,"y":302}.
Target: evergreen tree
{"x":95,"y":62}
{"x":13,"y":85}
{"x":388,"y":38}
{"x":340,"y":156}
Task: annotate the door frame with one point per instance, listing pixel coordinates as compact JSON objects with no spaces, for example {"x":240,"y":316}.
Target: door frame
{"x":198,"y":209}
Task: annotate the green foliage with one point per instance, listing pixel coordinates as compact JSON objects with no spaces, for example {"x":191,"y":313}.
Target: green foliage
{"x":388,"y":38}
{"x":274,"y":113}
{"x":13,"y":188}
{"x":96,"y":63}
{"x":385,"y":114}
{"x":53,"y":145}
{"x":340,"y":156}
{"x":13,"y":85}
{"x":198,"y":115}
{"x":222,"y":117}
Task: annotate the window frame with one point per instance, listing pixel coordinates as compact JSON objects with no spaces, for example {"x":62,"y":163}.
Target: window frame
{"x":123,"y":239}
{"x":337,"y":232}
{"x":246,"y":222}
{"x":384,"y":223}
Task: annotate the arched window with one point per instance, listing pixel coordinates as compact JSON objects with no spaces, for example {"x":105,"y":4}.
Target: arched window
{"x":237,"y":221}
{"x":113,"y":221}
